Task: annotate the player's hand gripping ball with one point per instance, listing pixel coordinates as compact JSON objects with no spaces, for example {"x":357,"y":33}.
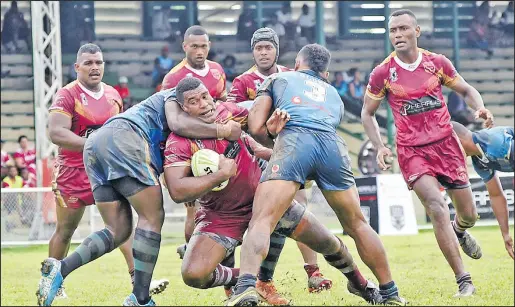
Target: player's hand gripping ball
{"x":205,"y":162}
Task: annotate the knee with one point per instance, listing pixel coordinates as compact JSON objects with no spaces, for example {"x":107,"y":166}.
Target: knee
{"x":64,"y":232}
{"x":194,"y":277}
{"x":467,"y":220}
{"x":120,"y":233}
{"x":354,"y":223}
{"x":436,"y":208}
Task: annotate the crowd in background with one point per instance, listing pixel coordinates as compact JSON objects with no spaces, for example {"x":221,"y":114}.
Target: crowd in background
{"x":19,"y":169}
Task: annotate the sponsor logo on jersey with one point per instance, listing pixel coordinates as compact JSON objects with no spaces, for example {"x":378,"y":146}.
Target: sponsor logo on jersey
{"x":429,"y":67}
{"x":393,"y":74}
{"x":84,"y":99}
{"x":216,"y":74}
{"x":420,"y":105}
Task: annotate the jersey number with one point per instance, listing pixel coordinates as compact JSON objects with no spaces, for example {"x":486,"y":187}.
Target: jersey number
{"x":317,"y":92}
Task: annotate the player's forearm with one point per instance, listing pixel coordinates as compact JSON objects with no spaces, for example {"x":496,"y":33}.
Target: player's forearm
{"x":260,"y":134}
{"x":372,"y":128}
{"x":66,"y":139}
{"x":473,"y":99}
{"x":500,"y":209}
{"x":194,"y":128}
{"x":191,"y":188}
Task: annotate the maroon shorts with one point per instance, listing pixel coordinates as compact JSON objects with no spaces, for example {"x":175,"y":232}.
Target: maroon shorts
{"x":232,"y":225}
{"x":71,"y":187}
{"x":445,"y":160}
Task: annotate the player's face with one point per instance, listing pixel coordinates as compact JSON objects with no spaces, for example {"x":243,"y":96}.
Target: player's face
{"x":403,"y":32}
{"x":264,"y":54}
{"x":90,"y":69}
{"x":199,"y":103}
{"x":196,"y":48}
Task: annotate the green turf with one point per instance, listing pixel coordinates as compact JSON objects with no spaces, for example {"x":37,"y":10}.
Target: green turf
{"x":418,"y":266}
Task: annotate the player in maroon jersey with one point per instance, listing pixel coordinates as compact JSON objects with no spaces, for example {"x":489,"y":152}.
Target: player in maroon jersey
{"x":196,"y":46}
{"x":265,"y":51}
{"x":428,"y":150}
{"x":224,"y":215}
{"x":78,"y":109}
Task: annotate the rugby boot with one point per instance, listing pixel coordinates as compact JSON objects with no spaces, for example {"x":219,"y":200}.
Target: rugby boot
{"x":470,"y":246}
{"x":158,"y":286}
{"x":370,"y":293}
{"x":249,"y":297}
{"x":317,"y":282}
{"x":132,"y":301}
{"x":268,"y":293}
{"x":50,"y":282}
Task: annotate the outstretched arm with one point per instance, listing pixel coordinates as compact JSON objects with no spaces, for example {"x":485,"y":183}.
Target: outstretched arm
{"x":473,"y":99}
{"x":184,"y":125}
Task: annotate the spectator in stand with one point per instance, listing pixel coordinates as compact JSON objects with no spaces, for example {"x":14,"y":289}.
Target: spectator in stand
{"x":507,"y":21}
{"x":307,"y":24}
{"x":162,"y":65}
{"x":246,"y":26}
{"x":25,"y":157}
{"x":340,"y":85}
{"x":15,"y":28}
{"x":478,"y":34}
{"x":229,"y":66}
{"x":12,"y":180}
{"x":278,"y":27}
{"x":29,"y":179}
{"x":7,"y":160}
{"x":459,"y":110}
{"x":123,"y":89}
{"x":285,"y":18}
{"x":356,"y":86}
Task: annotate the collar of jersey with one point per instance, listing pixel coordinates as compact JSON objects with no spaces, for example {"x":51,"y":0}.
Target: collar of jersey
{"x":410,"y":66}
{"x":96,"y":95}
{"x":313,"y":74}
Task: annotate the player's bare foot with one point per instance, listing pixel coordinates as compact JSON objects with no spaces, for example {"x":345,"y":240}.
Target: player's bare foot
{"x":269,"y":294}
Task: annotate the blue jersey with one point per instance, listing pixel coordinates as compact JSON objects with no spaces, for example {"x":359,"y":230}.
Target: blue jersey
{"x":149,"y":116}
{"x":496,"y":146}
{"x":313,"y":103}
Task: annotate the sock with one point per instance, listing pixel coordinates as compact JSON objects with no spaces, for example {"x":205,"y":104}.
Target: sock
{"x":225,"y":276}
{"x":388,"y":290}
{"x":342,"y":260}
{"x":244,"y":281}
{"x":310,"y":269}
{"x":458,"y":229}
{"x":145,"y":250}
{"x":94,"y":246}
{"x":228,"y":262}
{"x":267,"y":268}
{"x":131,"y":273}
{"x":463,"y":278}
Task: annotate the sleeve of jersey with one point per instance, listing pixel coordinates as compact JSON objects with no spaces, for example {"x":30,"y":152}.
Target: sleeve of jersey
{"x":376,"y":88}
{"x":238,"y":92}
{"x":485,"y":173}
{"x":266,"y":88}
{"x":448,"y":74}
{"x":63,"y":103}
{"x":177,"y":151}
{"x":168,"y":82}
{"x":237,"y":113}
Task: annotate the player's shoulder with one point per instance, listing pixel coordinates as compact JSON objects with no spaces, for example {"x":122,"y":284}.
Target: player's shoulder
{"x":177,"y":68}
{"x":385,"y":65}
{"x":434,"y":57}
{"x":70,"y":88}
{"x":175,"y":141}
{"x":213,"y":64}
{"x":108,"y":89}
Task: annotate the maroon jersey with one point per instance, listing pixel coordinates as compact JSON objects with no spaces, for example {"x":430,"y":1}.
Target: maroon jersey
{"x":88,"y":112}
{"x":414,"y":92}
{"x":235,"y":200}
{"x":244,"y":87}
{"x":213,"y":77}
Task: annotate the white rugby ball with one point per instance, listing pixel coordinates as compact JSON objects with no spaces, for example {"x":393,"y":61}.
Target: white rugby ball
{"x":205,"y":162}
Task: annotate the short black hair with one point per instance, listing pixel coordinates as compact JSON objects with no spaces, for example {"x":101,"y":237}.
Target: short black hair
{"x":186,"y":84}
{"x":403,"y":12}
{"x":316,"y":56}
{"x":195,"y":30}
{"x":351,"y":72}
{"x":88,"y":48}
{"x":21,"y":137}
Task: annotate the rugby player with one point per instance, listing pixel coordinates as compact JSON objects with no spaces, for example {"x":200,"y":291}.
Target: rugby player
{"x":123,"y":160}
{"x":196,"y":47}
{"x":224,"y":215}
{"x":265,"y":52}
{"x":429,"y":153}
{"x":307,"y":148}
{"x":78,"y":109}
{"x":492,"y":151}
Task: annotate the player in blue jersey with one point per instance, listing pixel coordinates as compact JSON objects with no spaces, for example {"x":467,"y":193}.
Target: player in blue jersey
{"x":491,"y":151}
{"x":123,"y":160}
{"x":307,"y":111}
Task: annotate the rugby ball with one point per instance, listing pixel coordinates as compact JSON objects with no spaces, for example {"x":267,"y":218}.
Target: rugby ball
{"x":205,"y":162}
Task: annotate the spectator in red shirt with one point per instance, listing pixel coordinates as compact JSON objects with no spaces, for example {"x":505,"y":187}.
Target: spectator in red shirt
{"x":123,"y":89}
{"x":29,"y":179}
{"x":25,"y":157}
{"x":6,"y":160}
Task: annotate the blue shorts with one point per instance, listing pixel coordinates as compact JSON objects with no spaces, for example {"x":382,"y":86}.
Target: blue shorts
{"x":119,"y":150}
{"x":320,"y":156}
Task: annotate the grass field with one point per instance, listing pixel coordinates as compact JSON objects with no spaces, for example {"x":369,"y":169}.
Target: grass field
{"x":418,"y":266}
